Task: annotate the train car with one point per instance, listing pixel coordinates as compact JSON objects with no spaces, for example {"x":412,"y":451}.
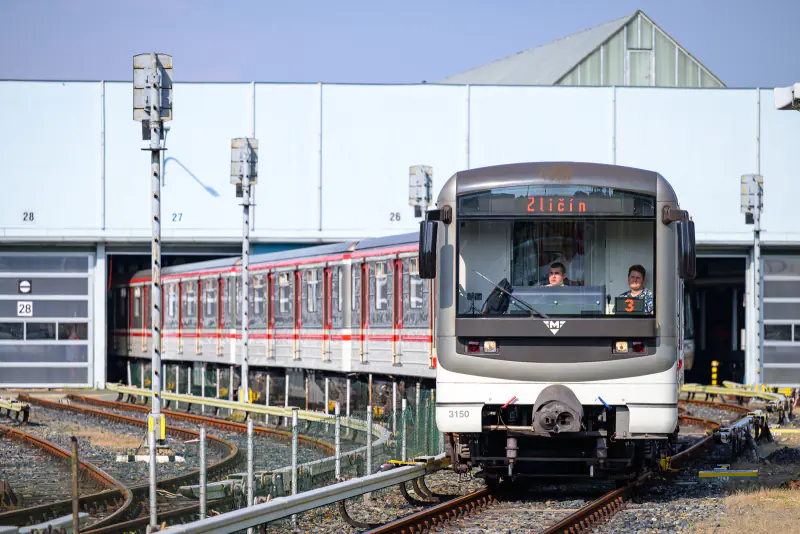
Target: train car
{"x":356,"y":306}
{"x":560,"y":318}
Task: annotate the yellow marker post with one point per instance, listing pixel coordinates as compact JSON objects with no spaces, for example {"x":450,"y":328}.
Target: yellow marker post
{"x":161,"y":431}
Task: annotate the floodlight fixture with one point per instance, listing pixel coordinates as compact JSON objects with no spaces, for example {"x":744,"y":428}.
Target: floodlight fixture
{"x":420,"y":183}
{"x":787,"y":97}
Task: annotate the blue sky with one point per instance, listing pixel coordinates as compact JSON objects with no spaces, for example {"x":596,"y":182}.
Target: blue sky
{"x":745,"y":43}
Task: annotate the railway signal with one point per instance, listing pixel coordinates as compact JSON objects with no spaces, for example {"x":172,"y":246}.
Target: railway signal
{"x":152,"y":106}
{"x":244,"y":175}
{"x":752,"y":205}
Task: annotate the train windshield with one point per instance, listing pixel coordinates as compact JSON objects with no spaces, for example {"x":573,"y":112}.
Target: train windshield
{"x":556,"y":251}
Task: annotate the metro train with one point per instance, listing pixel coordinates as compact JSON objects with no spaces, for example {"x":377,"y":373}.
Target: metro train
{"x":531,"y":380}
{"x":560,"y":311}
{"x":357,"y":306}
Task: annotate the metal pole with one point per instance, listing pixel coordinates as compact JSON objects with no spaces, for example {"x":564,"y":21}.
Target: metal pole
{"x":394,"y":407}
{"x":369,"y":440}
{"x":203,"y":388}
{"x":327,"y":380}
{"x":405,"y":430}
{"x":130,"y":383}
{"x":203,"y":475}
{"x":347,"y":413}
{"x":269,"y":388}
{"x":417,"y":415}
{"x":155,"y":270}
{"x":177,"y":384}
{"x":246,"y":280}
{"x":75,"y":507}
{"x":249,"y":462}
{"x":338,"y":440}
{"x":759,"y":287}
{"x":294,"y":450}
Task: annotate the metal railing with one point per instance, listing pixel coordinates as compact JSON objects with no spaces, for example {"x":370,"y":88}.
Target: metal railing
{"x":283,"y":507}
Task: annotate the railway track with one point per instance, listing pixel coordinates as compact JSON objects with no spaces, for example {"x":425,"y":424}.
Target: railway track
{"x":440,"y":516}
{"x":104,"y":506}
{"x":134,"y":516}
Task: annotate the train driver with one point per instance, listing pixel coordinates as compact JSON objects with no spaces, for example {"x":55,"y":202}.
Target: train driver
{"x":557,"y":274}
{"x":636,"y":277}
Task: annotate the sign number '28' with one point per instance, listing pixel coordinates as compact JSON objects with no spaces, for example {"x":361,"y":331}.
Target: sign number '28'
{"x":25,"y":308}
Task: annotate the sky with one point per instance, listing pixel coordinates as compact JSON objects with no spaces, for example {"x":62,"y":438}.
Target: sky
{"x":746,"y":43}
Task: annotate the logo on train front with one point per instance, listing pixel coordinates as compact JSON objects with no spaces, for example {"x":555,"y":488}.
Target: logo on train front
{"x":554,"y":326}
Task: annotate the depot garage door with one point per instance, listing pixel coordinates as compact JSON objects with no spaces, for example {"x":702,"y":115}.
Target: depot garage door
{"x":45,"y":320}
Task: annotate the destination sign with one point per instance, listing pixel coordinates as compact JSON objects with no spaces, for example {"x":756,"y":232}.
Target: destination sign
{"x":556,"y":201}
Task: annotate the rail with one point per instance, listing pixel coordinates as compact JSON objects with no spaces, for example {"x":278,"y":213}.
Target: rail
{"x":283,"y":507}
{"x":307,"y":415}
{"x":734,"y":392}
{"x":19,"y":408}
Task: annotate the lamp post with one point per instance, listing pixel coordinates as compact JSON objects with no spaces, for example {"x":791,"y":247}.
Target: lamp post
{"x":244,"y":174}
{"x":152,"y":106}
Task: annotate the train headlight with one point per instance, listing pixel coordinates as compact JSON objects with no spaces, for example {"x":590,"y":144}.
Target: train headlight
{"x":621,"y":347}
{"x":489,"y":346}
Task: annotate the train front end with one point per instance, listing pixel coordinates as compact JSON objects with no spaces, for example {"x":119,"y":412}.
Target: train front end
{"x":559,"y":290}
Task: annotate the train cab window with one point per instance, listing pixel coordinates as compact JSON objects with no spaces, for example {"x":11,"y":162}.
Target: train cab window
{"x":415,"y":283}
{"x":381,"y":285}
{"x":312,"y":286}
{"x":284,"y":292}
{"x":565,"y":251}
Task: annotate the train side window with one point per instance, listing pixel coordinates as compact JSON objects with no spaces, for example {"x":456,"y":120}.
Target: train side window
{"x":311,"y":290}
{"x":210,"y":297}
{"x":337,"y":281}
{"x":172,"y":297}
{"x":284,"y":292}
{"x":256,"y":296}
{"x":137,"y":301}
{"x":381,"y":281}
{"x":415,"y":284}
{"x":191,"y":300}
{"x":122,"y":308}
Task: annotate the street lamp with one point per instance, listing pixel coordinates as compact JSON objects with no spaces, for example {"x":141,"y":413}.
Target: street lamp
{"x":244,"y":173}
{"x":152,"y":106}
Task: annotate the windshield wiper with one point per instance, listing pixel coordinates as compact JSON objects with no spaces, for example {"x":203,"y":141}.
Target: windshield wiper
{"x":531,"y":308}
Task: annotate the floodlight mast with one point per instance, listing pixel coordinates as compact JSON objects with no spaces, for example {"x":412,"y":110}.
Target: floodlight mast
{"x":152,"y":76}
{"x":752,"y":204}
{"x":244,"y":172}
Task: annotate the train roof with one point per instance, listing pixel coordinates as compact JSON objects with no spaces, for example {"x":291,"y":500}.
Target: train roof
{"x":388,"y":241}
{"x":331,"y":249}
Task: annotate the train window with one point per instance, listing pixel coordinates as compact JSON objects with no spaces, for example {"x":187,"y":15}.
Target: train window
{"x":210,"y":303}
{"x":172,"y":300}
{"x":257,"y":294}
{"x":137,"y":301}
{"x":415,"y":284}
{"x":353,"y":288}
{"x":284,"y":292}
{"x":9,"y":331}
{"x":381,"y":282}
{"x":312,"y":285}
{"x":338,"y":282}
{"x":191,"y":299}
{"x":210,"y":297}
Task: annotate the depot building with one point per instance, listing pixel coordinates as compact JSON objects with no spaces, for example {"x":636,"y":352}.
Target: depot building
{"x":334,"y":164}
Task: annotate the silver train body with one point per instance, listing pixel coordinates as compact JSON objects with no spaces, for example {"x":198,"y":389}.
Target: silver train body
{"x":574,"y":381}
{"x":353,"y":307}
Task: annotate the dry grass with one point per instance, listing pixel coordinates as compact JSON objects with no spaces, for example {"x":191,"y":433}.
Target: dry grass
{"x":107,"y":439}
{"x":759,"y":510}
